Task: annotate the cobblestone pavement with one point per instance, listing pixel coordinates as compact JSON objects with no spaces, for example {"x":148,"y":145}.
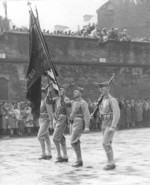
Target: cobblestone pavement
{"x":20,"y":164}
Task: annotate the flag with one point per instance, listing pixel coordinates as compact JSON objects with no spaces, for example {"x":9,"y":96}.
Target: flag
{"x":5,"y":8}
{"x":87,"y":17}
{"x":53,"y":80}
{"x":34,"y":96}
{"x":51,"y":73}
{"x":40,"y":62}
{"x":38,"y":59}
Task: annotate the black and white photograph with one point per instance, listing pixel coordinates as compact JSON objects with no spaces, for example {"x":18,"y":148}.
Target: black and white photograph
{"x":74,"y":92}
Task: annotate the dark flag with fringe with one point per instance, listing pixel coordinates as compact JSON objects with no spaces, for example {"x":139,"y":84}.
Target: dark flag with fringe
{"x":40,"y":62}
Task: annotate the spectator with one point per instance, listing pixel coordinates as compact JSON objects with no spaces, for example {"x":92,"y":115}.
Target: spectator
{"x":12,"y":120}
{"x":116,"y":34}
{"x":139,"y":113}
{"x":92,"y":27}
{"x":128,"y":114}
{"x":125,"y":36}
{"x":28,"y":119}
{"x":13,"y":28}
{"x":133,"y":113}
{"x":104,"y":35}
{"x":146,"y":114}
{"x":113,"y":34}
{"x":4,"y":119}
{"x":95,"y":33}
{"x":122,"y":121}
{"x":19,"y":118}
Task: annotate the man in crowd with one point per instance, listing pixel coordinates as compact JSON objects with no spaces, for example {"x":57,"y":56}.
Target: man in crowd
{"x":133,"y":113}
{"x":110,"y":114}
{"x":95,"y":33}
{"x":80,"y":118}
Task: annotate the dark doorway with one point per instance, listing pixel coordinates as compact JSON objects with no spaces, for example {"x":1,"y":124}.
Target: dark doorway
{"x":3,"y":89}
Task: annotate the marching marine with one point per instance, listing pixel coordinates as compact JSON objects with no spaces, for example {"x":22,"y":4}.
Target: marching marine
{"x":44,"y":122}
{"x":60,"y":124}
{"x":80,"y":118}
{"x":110,"y":113}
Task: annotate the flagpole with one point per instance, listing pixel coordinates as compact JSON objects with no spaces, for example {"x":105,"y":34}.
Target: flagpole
{"x":44,"y":46}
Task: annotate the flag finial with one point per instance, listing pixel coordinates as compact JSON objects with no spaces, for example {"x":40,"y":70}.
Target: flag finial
{"x":28,"y":3}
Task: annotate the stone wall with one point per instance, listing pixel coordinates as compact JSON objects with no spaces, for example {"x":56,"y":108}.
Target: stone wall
{"x":129,"y":82}
{"x":73,"y":49}
{"x":79,"y":61}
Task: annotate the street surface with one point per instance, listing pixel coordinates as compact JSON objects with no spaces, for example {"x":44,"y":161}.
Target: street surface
{"x":19,"y":164}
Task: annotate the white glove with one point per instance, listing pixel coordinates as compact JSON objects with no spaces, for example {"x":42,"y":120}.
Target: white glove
{"x":86,"y":130}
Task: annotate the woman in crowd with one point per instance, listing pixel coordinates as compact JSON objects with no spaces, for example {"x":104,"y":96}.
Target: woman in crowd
{"x":122,"y":121}
{"x":4,"y":119}
{"x":133,"y":113}
{"x":139,"y":113}
{"x":19,"y":119}
{"x":11,"y":119}
{"x":146,"y":115}
{"x":128,"y":114}
{"x":28,"y":119}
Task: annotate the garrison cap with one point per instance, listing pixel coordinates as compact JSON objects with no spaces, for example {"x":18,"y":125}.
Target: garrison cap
{"x":63,"y":87}
{"x":79,"y":89}
{"x":103,"y":84}
{"x":106,"y":83}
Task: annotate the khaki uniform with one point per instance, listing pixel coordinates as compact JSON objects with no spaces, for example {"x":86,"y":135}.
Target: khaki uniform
{"x":80,"y":117}
{"x":110,"y":114}
{"x":60,"y":124}
{"x":43,"y":133}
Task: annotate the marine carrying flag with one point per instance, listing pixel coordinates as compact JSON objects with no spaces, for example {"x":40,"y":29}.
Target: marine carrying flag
{"x":52,"y":72}
{"x":40,"y":62}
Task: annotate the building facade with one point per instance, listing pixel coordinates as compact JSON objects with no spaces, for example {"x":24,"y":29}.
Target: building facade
{"x":133,"y":15}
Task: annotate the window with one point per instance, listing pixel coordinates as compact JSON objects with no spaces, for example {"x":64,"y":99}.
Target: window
{"x":110,"y":9}
{"x":102,"y":60}
{"x":2,"y":55}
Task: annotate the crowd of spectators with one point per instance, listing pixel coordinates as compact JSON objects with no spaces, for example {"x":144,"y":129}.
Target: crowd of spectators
{"x":16,"y":118}
{"x":90,"y":31}
{"x":16,"y":29}
{"x":133,"y":114}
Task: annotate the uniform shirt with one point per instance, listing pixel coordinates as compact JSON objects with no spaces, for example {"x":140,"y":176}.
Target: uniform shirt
{"x":80,"y":109}
{"x":43,"y":112}
{"x":109,"y":108}
{"x":94,"y":34}
{"x":61,"y":107}
{"x":43,"y":107}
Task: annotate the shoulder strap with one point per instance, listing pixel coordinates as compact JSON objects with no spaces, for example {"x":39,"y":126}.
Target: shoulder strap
{"x":110,"y":102}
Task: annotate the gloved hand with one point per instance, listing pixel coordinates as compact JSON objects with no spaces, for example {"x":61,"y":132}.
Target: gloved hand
{"x":51,"y":127}
{"x":86,"y":130}
{"x":70,"y":120}
{"x":111,"y":129}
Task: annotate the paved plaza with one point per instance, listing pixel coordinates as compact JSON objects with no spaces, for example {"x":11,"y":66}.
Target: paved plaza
{"x":19,"y":164}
